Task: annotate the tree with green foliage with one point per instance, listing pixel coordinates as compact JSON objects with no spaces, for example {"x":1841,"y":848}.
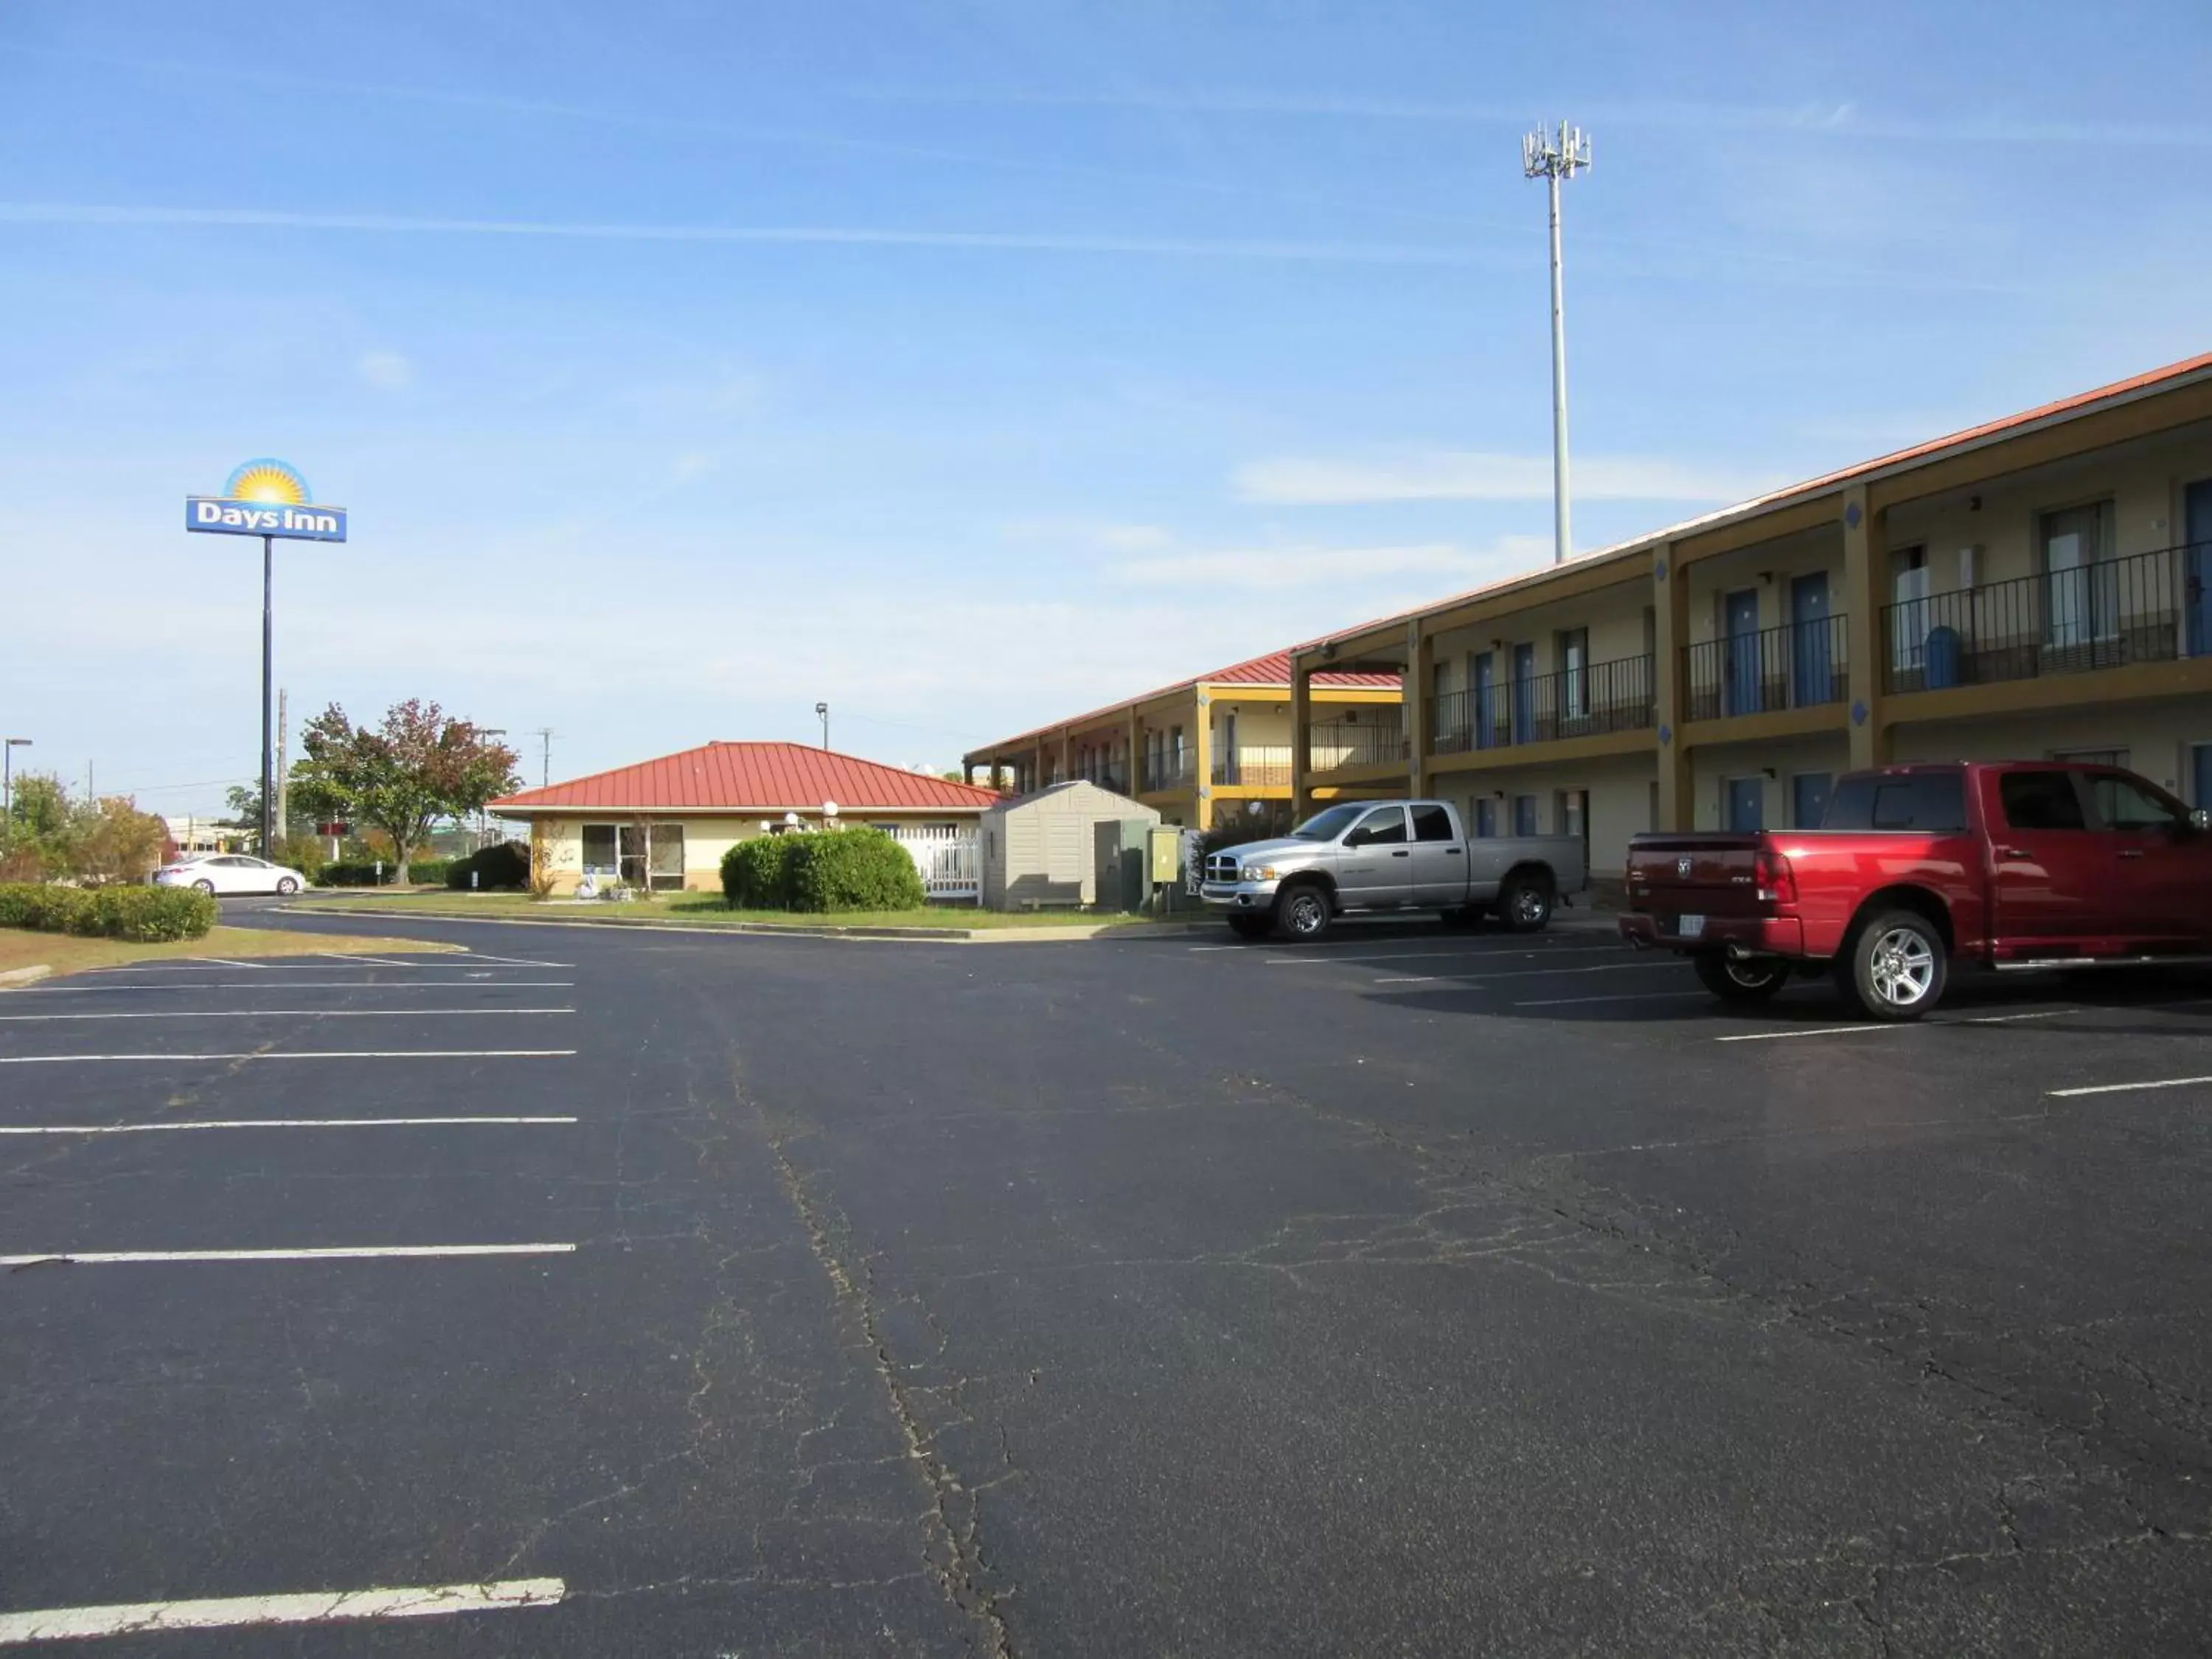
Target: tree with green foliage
{"x":402,"y":776}
{"x":52,"y":836}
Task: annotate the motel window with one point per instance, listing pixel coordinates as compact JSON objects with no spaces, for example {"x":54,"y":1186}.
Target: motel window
{"x":600,"y":856}
{"x":1574,"y":677}
{"x":1908,"y":591}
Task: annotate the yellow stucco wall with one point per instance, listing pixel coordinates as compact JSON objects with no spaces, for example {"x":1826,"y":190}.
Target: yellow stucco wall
{"x":707,"y":837}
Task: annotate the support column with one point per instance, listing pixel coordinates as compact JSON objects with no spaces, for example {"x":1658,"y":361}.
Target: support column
{"x":1419,"y":680}
{"x":1202,"y":762}
{"x":1866,"y":560}
{"x":1036,"y":763}
{"x":1132,"y":763}
{"x":1670,"y":587}
{"x":1301,"y":737}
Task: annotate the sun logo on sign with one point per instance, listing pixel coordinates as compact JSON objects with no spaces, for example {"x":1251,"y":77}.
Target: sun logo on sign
{"x":273,"y":481}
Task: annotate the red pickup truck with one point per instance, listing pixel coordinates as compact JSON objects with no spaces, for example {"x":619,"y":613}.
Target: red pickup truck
{"x":2014,"y":865}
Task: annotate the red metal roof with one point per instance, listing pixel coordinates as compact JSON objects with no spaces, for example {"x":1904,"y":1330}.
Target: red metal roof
{"x":754,"y":777}
{"x":1274,"y":669}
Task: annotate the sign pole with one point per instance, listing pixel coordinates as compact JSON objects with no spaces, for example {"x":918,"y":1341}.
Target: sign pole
{"x":268,"y":586}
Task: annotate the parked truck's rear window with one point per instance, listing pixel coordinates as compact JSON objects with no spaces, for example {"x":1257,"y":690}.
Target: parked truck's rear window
{"x":1932,"y":802}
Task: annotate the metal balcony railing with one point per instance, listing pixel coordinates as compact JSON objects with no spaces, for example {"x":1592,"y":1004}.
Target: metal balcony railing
{"x":2147,"y":607}
{"x":1795,"y":665}
{"x":1619,"y":695}
{"x":1169,"y":772}
{"x":1262,"y":767}
{"x":1376,"y":733}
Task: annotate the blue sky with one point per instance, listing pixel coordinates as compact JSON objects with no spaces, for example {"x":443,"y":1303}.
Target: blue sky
{"x":968,"y":365}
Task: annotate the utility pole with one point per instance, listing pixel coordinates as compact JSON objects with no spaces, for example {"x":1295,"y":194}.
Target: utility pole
{"x":283,"y":770}
{"x":822,"y":710}
{"x":545,"y":734}
{"x":1551,"y":158}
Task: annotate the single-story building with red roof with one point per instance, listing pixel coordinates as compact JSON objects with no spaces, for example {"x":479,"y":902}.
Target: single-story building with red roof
{"x":665,"y":823}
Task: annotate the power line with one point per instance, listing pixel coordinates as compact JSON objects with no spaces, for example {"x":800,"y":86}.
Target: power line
{"x":544,"y":734}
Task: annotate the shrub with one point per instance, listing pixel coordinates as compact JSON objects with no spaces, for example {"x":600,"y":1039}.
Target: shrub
{"x":756,"y":873}
{"x":852,"y":870}
{"x":344,"y":872}
{"x":41,"y":908}
{"x":502,"y":865}
{"x":433,"y":872}
{"x":145,"y":915}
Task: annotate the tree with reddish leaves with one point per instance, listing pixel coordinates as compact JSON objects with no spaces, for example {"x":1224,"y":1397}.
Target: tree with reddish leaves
{"x":420,"y":765}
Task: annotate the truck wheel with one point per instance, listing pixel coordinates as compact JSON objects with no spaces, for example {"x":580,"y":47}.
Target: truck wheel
{"x":1302,"y":913}
{"x":1251,"y":926}
{"x":1740,"y":982}
{"x":1524,"y":903}
{"x":1895,"y":966}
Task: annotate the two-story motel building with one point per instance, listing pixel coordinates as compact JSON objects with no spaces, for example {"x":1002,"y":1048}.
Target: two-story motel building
{"x":1200,"y":751}
{"x":2040,"y":585}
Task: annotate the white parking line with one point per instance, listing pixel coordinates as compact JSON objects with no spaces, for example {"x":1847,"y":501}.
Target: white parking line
{"x":1446,"y":955}
{"x":310,"y":1054}
{"x":516,"y":962}
{"x":237,"y":1612}
{"x":1628,"y":996}
{"x":1876,"y":1025}
{"x":225,"y":962}
{"x":271,"y":1123}
{"x":348,"y":956}
{"x":341,"y":1253}
{"x":2125,"y":1088}
{"x":409,"y":986}
{"x":1517,"y":973}
{"x":277,"y":1014}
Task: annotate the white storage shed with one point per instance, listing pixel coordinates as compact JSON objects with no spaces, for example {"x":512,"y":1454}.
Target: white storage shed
{"x":1041,"y":849}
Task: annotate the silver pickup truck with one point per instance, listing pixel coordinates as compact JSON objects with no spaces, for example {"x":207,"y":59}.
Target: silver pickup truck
{"x":1374,"y":857}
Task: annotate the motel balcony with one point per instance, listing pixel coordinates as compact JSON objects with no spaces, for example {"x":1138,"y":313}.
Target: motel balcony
{"x":2114,"y":613}
{"x":1759,"y":671}
{"x":1571,"y":703}
{"x":1254,"y":766}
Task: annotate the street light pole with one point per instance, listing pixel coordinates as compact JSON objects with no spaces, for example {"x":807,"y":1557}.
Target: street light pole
{"x":822,"y":710}
{"x":1551,"y":158}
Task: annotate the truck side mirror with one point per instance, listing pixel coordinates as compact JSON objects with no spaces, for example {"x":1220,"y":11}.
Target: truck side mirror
{"x":1359,"y":837}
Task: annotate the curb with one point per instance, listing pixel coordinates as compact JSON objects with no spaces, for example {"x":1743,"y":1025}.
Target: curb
{"x":30,"y":975}
{"x":778,"y":930}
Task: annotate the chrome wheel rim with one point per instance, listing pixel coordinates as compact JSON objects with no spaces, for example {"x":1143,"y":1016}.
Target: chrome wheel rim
{"x":1305,"y":914}
{"x":1529,"y":905}
{"x":203,"y":887}
{"x":1902,"y":967}
{"x":1750,"y":975}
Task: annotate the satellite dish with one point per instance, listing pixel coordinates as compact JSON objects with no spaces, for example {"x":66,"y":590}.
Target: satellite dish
{"x":829,"y":809}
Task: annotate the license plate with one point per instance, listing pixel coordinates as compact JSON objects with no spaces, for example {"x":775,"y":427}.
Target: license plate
{"x":1689,"y":926}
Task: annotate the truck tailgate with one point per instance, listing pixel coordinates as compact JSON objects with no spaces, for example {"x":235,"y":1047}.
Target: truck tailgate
{"x":1700,"y":875}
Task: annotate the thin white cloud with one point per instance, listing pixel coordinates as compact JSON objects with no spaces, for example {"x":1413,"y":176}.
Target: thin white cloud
{"x":1303,"y":566}
{"x":1105,"y":535}
{"x":1081,"y":242}
{"x":1445,"y":475}
{"x":387,"y":371}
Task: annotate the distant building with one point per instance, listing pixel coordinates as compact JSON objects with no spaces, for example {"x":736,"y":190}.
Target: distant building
{"x":193,"y":836}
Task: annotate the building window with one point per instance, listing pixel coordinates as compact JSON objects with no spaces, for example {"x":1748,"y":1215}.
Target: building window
{"x":600,"y":856}
{"x":1808,"y":798}
{"x":1574,"y":673}
{"x":2082,"y":604}
{"x":1908,"y":589}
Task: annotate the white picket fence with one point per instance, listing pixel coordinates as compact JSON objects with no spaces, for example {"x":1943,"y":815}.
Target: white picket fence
{"x":949,"y":855}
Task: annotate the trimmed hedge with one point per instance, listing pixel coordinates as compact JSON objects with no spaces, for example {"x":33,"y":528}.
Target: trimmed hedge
{"x":852,"y":870}
{"x":145,"y":915}
{"x":356,"y":875}
{"x":502,"y":865}
{"x":756,"y":873}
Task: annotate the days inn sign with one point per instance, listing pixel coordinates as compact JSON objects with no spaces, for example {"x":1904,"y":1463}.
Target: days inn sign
{"x":266,"y":498}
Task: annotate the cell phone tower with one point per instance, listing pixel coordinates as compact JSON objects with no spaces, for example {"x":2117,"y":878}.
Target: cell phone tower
{"x":1552,"y":156}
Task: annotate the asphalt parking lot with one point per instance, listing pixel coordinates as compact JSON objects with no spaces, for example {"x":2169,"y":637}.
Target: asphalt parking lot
{"x":608,"y":1292}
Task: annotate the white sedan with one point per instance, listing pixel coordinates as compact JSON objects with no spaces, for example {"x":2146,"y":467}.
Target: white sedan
{"x":230,"y":872}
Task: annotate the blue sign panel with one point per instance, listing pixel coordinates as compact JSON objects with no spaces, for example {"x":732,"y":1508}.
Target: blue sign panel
{"x":288,"y":522}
